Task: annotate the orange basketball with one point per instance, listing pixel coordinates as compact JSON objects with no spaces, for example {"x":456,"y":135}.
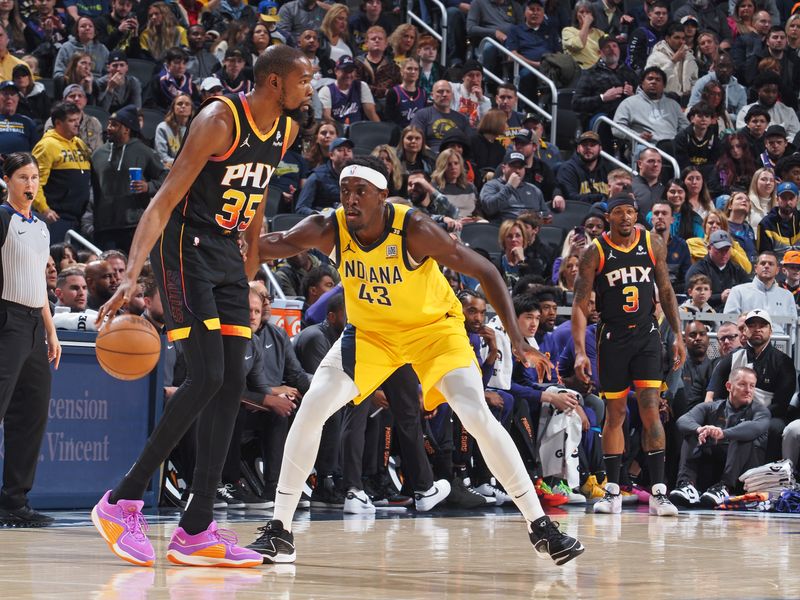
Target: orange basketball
{"x":128,"y":347}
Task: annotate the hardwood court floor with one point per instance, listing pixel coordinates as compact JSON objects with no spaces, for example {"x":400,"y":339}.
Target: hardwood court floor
{"x":445,"y":556}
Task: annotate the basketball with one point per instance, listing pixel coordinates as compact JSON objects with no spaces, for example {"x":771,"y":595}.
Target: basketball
{"x":128,"y":347}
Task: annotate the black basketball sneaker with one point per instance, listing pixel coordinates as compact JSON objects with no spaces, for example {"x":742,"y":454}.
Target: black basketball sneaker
{"x":548,"y":540}
{"x":275,"y":544}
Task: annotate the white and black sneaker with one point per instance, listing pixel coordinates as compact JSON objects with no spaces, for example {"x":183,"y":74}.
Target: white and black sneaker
{"x":714,"y":496}
{"x":275,"y":544}
{"x":488,"y":490}
{"x":439,"y":491}
{"x":356,"y":502}
{"x":685,"y":495}
{"x":548,"y":540}
{"x":225,"y":494}
{"x":660,"y":504}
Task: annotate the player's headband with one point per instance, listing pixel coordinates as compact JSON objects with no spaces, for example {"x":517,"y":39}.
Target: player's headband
{"x":621,"y":200}
{"x":366,"y":173}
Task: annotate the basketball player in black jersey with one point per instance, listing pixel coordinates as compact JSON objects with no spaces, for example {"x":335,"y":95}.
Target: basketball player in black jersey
{"x":213,"y":192}
{"x":624,"y":267}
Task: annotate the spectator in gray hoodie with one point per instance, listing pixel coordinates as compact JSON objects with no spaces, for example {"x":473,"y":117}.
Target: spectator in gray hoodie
{"x":83,"y":41}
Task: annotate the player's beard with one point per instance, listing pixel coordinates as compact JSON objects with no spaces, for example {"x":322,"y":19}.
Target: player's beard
{"x":298,"y":114}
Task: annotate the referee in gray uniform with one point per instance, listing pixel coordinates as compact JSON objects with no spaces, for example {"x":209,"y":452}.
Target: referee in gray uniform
{"x":28,"y":341}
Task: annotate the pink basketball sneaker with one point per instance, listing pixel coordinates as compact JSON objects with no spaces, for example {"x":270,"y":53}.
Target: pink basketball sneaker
{"x":123,"y":527}
{"x":213,"y":547}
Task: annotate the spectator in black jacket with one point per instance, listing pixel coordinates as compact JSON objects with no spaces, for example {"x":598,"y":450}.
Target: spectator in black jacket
{"x":584,"y":176}
{"x":119,"y":29}
{"x":643,"y":39}
{"x":775,"y":383}
{"x":718,"y":266}
{"x":33,"y":99}
{"x":747,"y":44}
{"x":202,"y":62}
{"x":696,"y":371}
{"x":776,"y":47}
{"x":699,"y":144}
{"x":602,"y":87}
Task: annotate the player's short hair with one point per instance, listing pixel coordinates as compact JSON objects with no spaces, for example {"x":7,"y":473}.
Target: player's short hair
{"x":280,"y":60}
{"x":176,"y":53}
{"x":769,"y":253}
{"x":314,"y":276}
{"x":702,"y":108}
{"x":427,"y":40}
{"x":698,"y":279}
{"x":507,"y":85}
{"x":69,"y":272}
{"x":618,"y":174}
{"x":467,"y":293}
{"x":756,"y":111}
{"x":335,"y":303}
{"x":372,"y":162}
{"x":149,"y":287}
{"x":524,"y":303}
{"x":658,"y":71}
{"x":376,"y":29}
{"x":526,"y":282}
{"x":115,"y":254}
{"x":62,"y":110}
{"x":673,"y":28}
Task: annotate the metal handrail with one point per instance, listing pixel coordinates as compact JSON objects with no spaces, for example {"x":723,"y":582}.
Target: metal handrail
{"x":440,"y":37}
{"x":268,"y":272}
{"x":74,"y":235}
{"x":617,"y":162}
{"x":552,"y":116}
{"x":635,"y":136}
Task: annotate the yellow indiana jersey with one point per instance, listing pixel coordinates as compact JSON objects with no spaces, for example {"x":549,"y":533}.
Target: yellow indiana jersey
{"x":385,"y":290}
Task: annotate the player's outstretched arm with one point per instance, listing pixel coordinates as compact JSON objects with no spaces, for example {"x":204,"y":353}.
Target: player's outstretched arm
{"x":666,"y":295}
{"x":211,"y":134}
{"x":315,"y":231}
{"x":587,"y":267}
{"x":426,"y":239}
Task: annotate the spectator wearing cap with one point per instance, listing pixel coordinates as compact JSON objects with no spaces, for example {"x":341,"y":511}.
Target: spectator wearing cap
{"x":64,"y":172}
{"x":348,"y":99}
{"x":581,"y":39}
{"x":369,"y":15}
{"x":211,"y":86}
{"x":33,"y":99}
{"x":789,"y":76}
{"x":117,"y":89}
{"x":537,"y":172}
{"x":493,"y":19}
{"x":90,"y":131}
{"x":202,"y":62}
{"x":652,"y":115}
{"x":435,"y":121}
{"x":234,"y":76}
{"x":265,"y":32}
{"x":676,"y":59}
{"x":376,"y":67}
{"x":544,"y":150}
{"x":468,"y":96}
{"x":790,"y":268}
{"x":173,"y":78}
{"x":717,"y":266}
{"x":735,"y":92}
{"x":601,"y":88}
{"x":17,"y":132}
{"x":83,"y":40}
{"x":231,"y":10}
{"x":646,"y":36}
{"x":776,"y":147}
{"x":775,"y":375}
{"x":321,"y":189}
{"x":118,"y":202}
{"x":509,"y":196}
{"x":119,"y":28}
{"x":779,"y":231}
{"x":767,"y":86}
{"x":584,"y":176}
{"x":756,"y":121}
{"x":710,"y":16}
{"x":530,"y":41}
{"x":295,"y":16}
{"x":765,"y":292}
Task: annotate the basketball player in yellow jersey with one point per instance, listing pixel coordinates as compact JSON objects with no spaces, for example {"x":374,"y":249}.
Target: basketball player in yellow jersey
{"x":400,"y":310}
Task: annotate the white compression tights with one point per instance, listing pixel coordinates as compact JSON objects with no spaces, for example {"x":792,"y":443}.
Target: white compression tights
{"x":331,"y":389}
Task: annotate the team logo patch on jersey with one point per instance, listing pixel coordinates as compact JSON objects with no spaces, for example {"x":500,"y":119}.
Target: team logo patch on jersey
{"x":391,"y":251}
{"x":278,"y":141}
{"x":640,"y":251}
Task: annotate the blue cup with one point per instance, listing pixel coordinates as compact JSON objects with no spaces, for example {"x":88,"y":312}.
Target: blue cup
{"x":135,"y":175}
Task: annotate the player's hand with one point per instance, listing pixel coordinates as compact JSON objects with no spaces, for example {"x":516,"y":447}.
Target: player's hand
{"x":51,"y":216}
{"x":558,"y":203}
{"x":139,"y":186}
{"x":287,"y":390}
{"x":120,"y":299}
{"x":493,"y":399}
{"x":679,"y":349}
{"x":585,"y":424}
{"x":715,"y":433}
{"x":531,"y":357}
{"x":53,"y":348}
{"x":487,"y":334}
{"x":583,"y":368}
{"x":379,"y":399}
{"x":565,"y":401}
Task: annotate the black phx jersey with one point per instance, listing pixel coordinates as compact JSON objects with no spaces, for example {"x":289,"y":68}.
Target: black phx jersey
{"x":230,"y":187}
{"x":197,"y":260}
{"x":625,"y":281}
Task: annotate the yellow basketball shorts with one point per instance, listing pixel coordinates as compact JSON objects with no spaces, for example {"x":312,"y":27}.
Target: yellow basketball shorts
{"x":369,"y":358}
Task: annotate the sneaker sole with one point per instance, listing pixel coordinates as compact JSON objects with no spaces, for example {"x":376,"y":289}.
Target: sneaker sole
{"x":119,"y":552}
{"x":611,"y":511}
{"x":191,"y":560}
{"x":358,"y":509}
{"x":654,"y":512}
{"x":565,"y":555}
{"x":279,"y":559}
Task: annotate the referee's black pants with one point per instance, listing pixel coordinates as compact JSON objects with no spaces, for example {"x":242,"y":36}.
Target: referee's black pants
{"x":24,"y":398}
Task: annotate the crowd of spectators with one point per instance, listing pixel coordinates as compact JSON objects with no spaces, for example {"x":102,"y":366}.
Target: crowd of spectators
{"x":95,"y":89}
